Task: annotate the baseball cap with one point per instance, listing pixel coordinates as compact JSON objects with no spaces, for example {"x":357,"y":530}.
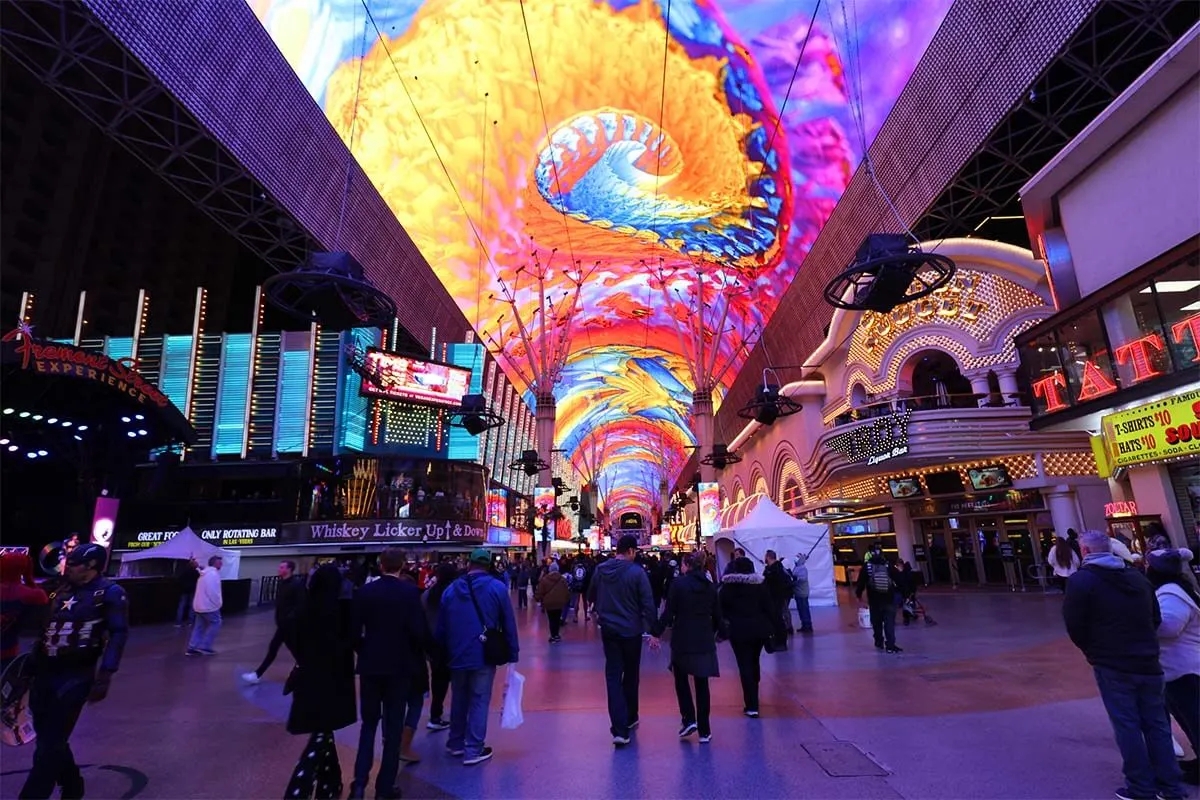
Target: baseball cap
{"x":480,"y":556}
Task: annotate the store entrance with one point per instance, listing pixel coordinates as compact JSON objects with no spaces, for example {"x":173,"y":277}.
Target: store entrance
{"x":979,"y":551}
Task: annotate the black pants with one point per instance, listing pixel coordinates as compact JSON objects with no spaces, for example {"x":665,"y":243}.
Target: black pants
{"x":439,"y":685}
{"x":381,"y":698}
{"x":697,"y":713}
{"x":55,"y":702}
{"x":883,"y":623}
{"x":555,"y":617}
{"x":622,"y":674}
{"x":316,"y":770}
{"x":522,"y":597}
{"x":747,"y":654}
{"x":281,"y":637}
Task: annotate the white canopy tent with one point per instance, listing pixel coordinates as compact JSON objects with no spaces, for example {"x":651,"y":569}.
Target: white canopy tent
{"x":180,"y":547}
{"x":767,"y":527}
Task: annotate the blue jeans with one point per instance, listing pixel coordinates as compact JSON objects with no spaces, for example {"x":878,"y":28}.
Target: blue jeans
{"x":381,"y":697}
{"x":800,"y":595}
{"x":469,"y":702}
{"x":1138,"y":713}
{"x":205,"y":630}
{"x":185,"y":608}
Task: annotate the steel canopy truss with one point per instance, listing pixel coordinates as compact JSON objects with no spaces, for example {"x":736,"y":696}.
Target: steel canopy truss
{"x":63,"y":44}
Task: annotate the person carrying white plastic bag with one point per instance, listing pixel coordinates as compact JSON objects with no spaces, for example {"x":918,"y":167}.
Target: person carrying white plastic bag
{"x":511,"y":715}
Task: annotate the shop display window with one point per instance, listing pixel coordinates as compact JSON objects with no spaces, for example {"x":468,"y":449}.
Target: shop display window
{"x":1135,"y":327}
{"x":1177,"y":292}
{"x":1083,"y":349}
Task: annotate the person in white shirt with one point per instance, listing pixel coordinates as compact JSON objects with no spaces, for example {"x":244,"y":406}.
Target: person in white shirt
{"x":207,"y":605}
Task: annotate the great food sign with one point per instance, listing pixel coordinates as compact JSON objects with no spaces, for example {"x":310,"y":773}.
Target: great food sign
{"x":221,"y":537}
{"x":1167,"y":428}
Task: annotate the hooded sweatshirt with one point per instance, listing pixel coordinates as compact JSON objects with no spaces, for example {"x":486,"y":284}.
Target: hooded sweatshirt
{"x":1112,"y":616}
{"x":1179,"y":632}
{"x":624,"y":602}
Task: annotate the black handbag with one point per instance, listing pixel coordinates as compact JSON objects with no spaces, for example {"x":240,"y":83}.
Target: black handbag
{"x":495,"y":644}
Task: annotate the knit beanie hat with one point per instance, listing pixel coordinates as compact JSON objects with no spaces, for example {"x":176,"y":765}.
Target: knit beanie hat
{"x":1169,"y":562}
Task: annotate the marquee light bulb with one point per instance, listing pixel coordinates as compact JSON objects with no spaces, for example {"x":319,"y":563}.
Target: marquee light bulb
{"x":42,"y":453}
{"x":36,"y":417}
{"x":12,"y":448}
{"x":31,"y":454}
{"x":131,"y":434}
{"x":66,"y":423}
{"x":52,"y":421}
{"x":9,"y":410}
{"x":3,"y":441}
{"x":82,"y":427}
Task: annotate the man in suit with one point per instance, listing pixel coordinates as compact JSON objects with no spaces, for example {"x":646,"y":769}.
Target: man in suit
{"x":393,"y":634}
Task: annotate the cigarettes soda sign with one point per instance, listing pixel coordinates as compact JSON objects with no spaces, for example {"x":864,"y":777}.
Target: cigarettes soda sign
{"x":1166,"y":428}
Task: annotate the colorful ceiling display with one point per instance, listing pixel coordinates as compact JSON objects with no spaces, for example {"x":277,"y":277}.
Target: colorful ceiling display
{"x":640,"y":139}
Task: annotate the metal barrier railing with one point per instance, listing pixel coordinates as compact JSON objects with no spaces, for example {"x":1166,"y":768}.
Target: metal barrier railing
{"x":267,"y":589}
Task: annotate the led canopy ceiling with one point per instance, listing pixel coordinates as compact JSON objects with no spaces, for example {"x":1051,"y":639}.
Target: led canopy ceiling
{"x":642,"y":140}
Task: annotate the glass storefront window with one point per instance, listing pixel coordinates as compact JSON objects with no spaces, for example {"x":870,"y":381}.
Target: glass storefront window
{"x":1136,"y":332}
{"x":1040,"y":358}
{"x":1084,"y":353}
{"x":1177,"y":290}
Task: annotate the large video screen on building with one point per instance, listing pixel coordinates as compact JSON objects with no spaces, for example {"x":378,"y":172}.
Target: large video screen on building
{"x":710,"y":509}
{"x":497,"y":507}
{"x":396,"y":377}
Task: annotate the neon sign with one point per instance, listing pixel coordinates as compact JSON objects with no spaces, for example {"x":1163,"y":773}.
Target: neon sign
{"x":1122,"y":508}
{"x":1095,"y":382}
{"x":877,"y":441}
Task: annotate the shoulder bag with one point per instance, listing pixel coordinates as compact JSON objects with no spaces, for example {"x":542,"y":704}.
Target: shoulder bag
{"x":495,"y":644}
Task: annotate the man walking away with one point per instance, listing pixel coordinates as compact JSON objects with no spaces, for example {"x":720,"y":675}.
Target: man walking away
{"x":800,"y":592}
{"x":289,"y":597}
{"x":524,"y":576}
{"x":1112,"y":616}
{"x":392,"y":633}
{"x":625,"y":611}
{"x":779,"y":586}
{"x":207,"y":605}
{"x":473,"y":605}
{"x":877,"y":581}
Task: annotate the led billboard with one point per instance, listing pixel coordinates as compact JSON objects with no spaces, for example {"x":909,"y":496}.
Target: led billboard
{"x":396,"y":377}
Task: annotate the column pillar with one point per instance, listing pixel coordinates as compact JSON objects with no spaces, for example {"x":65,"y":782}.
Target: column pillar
{"x":905,"y":535}
{"x":1008,"y":384}
{"x":544,"y":417}
{"x":1064,"y":509}
{"x":979,"y":386}
{"x":702,"y":427}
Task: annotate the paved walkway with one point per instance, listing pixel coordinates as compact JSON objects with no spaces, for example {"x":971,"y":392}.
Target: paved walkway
{"x":993,"y":702}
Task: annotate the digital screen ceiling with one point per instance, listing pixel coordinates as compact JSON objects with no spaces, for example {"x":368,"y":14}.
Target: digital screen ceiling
{"x":622,"y":133}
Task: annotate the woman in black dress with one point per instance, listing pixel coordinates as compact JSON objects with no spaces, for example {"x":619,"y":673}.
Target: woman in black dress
{"x":752,"y":622}
{"x":322,"y":686}
{"x":693,"y":613}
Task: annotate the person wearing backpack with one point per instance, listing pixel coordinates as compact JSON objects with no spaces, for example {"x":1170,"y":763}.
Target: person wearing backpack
{"x":877,"y":580}
{"x":577,"y":580}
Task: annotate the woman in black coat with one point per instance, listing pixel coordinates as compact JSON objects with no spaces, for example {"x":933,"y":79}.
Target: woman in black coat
{"x":751,"y":620}
{"x":693,"y":613}
{"x":322,"y":685}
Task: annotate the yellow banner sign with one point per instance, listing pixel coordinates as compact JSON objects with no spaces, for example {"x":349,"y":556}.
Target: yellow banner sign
{"x":1165,"y":428}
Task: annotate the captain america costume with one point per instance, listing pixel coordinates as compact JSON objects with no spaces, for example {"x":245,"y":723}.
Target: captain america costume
{"x":88,"y":627}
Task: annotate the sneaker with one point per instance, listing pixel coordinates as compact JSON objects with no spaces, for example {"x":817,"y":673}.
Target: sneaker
{"x":705,"y":738}
{"x":894,"y":649}
{"x":251,"y":677}
{"x":208,"y":652}
{"x":1125,"y":793}
{"x":484,"y":755}
{"x":455,"y":753}
{"x":687,"y":729}
{"x":620,"y":741}
{"x":437,"y":725}
{"x":751,"y":713}
{"x":879,"y":645}
{"x":634,"y":724}
{"x":191,"y":651}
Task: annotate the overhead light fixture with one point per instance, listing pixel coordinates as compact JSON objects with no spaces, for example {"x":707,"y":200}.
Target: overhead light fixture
{"x":720,"y":457}
{"x":125,"y":419}
{"x":78,"y":438}
{"x":12,"y":448}
{"x":31,"y":454}
{"x":473,"y":415}
{"x":36,"y":417}
{"x":768,"y":405}
{"x":138,"y":416}
{"x":529,"y":463}
{"x":888,"y":271}
{"x":132,"y":434}
{"x":1171,"y":287}
{"x":141,"y":432}
{"x":52,"y":421}
{"x":9,"y":410}
{"x":3,"y":441}
{"x":42,"y":453}
{"x":82,"y":428}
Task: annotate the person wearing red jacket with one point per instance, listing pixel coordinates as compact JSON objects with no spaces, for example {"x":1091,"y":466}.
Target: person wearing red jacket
{"x":17,"y":592}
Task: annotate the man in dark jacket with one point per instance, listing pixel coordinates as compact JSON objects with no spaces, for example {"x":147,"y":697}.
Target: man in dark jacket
{"x":392,"y":635}
{"x":289,"y":596}
{"x":779,"y":586}
{"x":877,"y":579}
{"x":625,"y":611}
{"x":1112,"y":615}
